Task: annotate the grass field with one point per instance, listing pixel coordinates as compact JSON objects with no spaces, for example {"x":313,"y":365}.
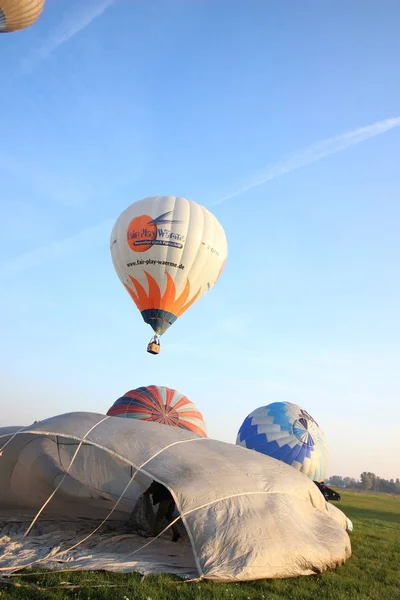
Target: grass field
{"x":373,"y":572}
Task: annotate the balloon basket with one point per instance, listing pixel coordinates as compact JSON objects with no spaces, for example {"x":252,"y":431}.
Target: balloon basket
{"x":153,"y":348}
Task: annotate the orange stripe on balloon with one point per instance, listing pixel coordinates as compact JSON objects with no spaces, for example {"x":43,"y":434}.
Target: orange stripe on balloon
{"x":194,"y":429}
{"x":132,"y":295}
{"x":145,"y":410}
{"x":178,"y":306}
{"x":184,"y":401}
{"x":140,"y":298}
{"x":169,"y":397}
{"x":154,"y":291}
{"x":168,"y":298}
{"x":179,"y":303}
{"x":189,"y":304}
{"x":183,"y":414}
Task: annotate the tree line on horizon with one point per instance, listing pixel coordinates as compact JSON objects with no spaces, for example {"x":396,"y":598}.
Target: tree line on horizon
{"x":368,"y":481}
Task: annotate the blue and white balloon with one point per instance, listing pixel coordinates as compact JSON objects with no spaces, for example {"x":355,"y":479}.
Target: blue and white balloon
{"x":288,"y":433}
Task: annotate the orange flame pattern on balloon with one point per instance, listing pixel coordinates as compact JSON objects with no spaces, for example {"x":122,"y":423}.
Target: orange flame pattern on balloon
{"x":153,"y":299}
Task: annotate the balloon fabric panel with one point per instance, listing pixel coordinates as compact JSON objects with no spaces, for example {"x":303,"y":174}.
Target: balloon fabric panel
{"x":161,"y":405}
{"x":286,"y":432}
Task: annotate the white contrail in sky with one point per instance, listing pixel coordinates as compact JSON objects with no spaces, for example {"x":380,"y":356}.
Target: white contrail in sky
{"x":307,"y":156}
{"x":312,"y":154}
{"x":57,"y":250}
{"x":76,"y":22}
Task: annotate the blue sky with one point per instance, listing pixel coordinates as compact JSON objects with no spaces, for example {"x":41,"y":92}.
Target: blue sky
{"x":281,"y":117}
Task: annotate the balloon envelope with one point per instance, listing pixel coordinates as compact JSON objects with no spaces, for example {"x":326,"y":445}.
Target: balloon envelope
{"x":161,"y":405}
{"x":19,"y":14}
{"x":244,"y":519}
{"x":168,"y":252}
{"x":288,"y":433}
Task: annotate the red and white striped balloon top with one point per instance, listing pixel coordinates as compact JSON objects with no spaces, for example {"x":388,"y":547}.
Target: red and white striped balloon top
{"x":160,"y":405}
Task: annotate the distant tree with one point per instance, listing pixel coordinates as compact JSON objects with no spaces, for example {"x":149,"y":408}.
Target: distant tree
{"x":336,"y":481}
{"x":368,"y":481}
{"x":388,"y":486}
{"x":350,"y":482}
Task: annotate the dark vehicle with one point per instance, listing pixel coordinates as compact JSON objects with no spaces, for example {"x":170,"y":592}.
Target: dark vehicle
{"x":328,"y":493}
{"x":332,"y":495}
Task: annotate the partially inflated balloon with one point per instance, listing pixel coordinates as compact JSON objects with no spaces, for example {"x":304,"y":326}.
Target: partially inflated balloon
{"x":161,"y":405}
{"x":168,"y":252}
{"x":288,"y":433}
{"x":19,"y":14}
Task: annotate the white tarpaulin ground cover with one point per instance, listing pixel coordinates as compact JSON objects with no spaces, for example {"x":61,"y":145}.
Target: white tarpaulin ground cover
{"x":245,"y":516}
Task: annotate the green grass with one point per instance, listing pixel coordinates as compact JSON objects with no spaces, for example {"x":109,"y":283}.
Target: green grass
{"x":373,"y":572}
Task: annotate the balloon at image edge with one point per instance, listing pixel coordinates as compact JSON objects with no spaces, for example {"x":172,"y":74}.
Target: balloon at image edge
{"x":168,"y":252}
{"x":287,"y":432}
{"x":15,"y":16}
{"x":161,"y":405}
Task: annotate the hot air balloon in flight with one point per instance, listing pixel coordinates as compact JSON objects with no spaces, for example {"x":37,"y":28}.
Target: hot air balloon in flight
{"x":19,"y":14}
{"x":168,"y":252}
{"x":161,"y":405}
{"x":288,"y":433}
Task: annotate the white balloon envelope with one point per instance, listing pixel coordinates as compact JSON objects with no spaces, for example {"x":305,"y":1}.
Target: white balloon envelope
{"x":168,"y":252}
